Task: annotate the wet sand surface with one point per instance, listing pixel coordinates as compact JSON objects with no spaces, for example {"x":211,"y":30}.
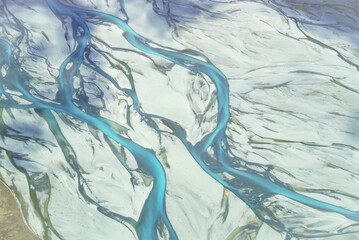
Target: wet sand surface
{"x":11,"y":221}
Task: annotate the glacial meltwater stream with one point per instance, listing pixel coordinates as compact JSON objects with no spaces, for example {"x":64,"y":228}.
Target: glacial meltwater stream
{"x":101,"y":125}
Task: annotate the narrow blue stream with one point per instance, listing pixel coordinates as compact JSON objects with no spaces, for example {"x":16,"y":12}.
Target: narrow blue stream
{"x":154,"y":209}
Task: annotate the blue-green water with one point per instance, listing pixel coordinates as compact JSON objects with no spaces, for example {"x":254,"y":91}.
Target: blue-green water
{"x":256,"y":184}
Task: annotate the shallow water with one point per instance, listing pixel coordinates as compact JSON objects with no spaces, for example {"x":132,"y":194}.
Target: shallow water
{"x":181,"y":119}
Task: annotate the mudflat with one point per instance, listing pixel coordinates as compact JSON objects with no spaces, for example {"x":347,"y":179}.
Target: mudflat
{"x":11,"y":221}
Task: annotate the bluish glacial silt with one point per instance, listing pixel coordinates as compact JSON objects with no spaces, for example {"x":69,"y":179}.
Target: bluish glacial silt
{"x":181,"y":119}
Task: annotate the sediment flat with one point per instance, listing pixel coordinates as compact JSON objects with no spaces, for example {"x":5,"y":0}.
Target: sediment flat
{"x":12,"y":223}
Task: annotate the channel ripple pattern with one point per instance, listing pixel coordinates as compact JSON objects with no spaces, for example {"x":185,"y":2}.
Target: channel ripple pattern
{"x":181,"y":119}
